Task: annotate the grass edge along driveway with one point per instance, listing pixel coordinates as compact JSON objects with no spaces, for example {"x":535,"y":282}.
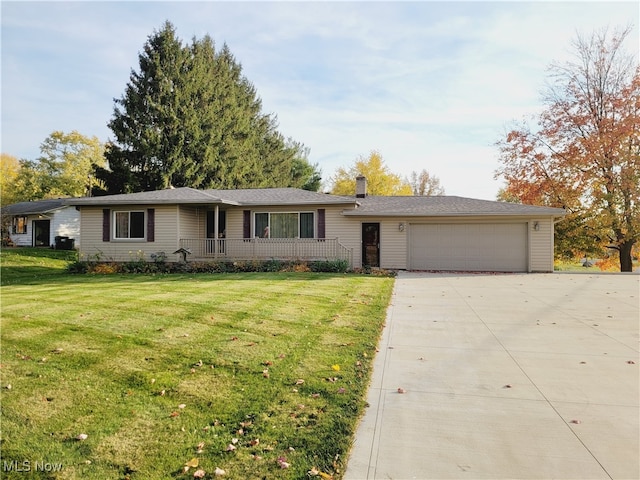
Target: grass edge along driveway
{"x":257,"y":375}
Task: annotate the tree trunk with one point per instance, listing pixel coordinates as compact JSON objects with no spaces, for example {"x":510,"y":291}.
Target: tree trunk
{"x":626,"y":262}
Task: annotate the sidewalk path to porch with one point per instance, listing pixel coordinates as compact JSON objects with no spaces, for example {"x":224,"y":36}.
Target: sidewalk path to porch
{"x":528,"y":376}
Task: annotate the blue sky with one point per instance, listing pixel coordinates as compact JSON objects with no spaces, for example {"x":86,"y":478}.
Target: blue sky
{"x":427,"y":84}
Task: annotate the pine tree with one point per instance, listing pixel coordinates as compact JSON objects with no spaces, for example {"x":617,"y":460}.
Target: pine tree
{"x":190,"y":118}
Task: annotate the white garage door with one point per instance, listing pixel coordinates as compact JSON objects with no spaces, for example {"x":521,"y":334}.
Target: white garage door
{"x":468,"y":247}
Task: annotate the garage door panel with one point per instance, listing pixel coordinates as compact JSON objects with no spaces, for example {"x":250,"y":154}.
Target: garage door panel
{"x":468,"y":247}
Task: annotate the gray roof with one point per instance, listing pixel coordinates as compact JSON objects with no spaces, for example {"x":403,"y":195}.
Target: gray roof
{"x":367,"y":206}
{"x":430,"y":206}
{"x":187,"y":195}
{"x":168,"y":196}
{"x":35,"y":207}
{"x":280,"y":196}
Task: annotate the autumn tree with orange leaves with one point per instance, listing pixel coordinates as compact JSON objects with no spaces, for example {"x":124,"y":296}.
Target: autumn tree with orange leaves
{"x":584,"y":153}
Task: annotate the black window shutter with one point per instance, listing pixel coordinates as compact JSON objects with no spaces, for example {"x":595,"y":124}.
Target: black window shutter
{"x":321,"y":229}
{"x":151,"y":225}
{"x":246,"y":224}
{"x":106,"y":225}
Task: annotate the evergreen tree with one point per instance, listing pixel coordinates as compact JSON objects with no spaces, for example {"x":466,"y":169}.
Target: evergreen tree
{"x":190,"y":118}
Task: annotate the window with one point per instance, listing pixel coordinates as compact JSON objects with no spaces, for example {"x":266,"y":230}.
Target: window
{"x":284,"y":225}
{"x":19,"y":224}
{"x":129,"y":225}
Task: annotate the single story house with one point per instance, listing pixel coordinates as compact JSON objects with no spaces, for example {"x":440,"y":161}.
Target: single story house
{"x":38,"y":223}
{"x":416,"y":233}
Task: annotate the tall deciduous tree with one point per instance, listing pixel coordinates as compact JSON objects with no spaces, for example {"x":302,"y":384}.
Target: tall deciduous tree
{"x":189,"y":117}
{"x":380,"y":180}
{"x":64,"y":169}
{"x":424,"y":183}
{"x":585,"y":153}
{"x":9,"y":169}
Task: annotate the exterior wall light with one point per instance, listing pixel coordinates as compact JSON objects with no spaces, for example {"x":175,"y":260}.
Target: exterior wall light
{"x":536,"y":226}
{"x":401,"y":226}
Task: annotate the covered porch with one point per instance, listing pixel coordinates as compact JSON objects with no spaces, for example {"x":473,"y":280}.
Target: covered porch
{"x":305,"y":249}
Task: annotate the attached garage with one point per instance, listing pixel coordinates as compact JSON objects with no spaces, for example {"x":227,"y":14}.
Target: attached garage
{"x":496,"y":247}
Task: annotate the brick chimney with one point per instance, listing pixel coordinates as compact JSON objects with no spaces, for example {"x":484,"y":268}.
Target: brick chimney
{"x":361,"y":186}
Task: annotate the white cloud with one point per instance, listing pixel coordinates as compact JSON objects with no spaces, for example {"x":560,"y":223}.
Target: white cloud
{"x":428,"y":84}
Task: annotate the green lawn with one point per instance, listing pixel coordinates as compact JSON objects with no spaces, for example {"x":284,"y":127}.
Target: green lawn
{"x":248,"y":373}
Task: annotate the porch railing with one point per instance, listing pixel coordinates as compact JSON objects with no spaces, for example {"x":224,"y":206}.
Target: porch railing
{"x":266,"y":249}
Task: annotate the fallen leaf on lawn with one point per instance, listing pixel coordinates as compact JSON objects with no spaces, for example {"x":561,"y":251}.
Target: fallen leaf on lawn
{"x":326,"y":476}
{"x":193,"y":463}
{"x":315,"y":395}
{"x":341,"y":390}
{"x":162,"y":393}
{"x":193,"y":370}
{"x":314,"y":472}
{"x":335,"y":368}
{"x":248,"y":423}
{"x":82,"y":436}
{"x":254,"y":442}
{"x":57,"y":350}
{"x":198,"y":363}
{"x":233,"y":339}
{"x":199,"y":473}
{"x":200,"y":447}
{"x":240,"y":432}
{"x":282,"y":355}
{"x":401,"y":390}
{"x":268,"y":363}
{"x":230,"y":448}
{"x":182,"y":405}
{"x":174,"y":414}
{"x":153,"y":380}
{"x":299,"y":381}
{"x":234,"y":440}
{"x":219,"y":472}
{"x":283,"y":462}
{"x":332,"y":379}
{"x":265,"y":373}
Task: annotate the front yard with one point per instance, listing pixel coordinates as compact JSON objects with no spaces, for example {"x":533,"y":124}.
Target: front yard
{"x":139,"y":376}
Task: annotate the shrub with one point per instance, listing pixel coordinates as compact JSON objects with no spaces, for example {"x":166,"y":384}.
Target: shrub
{"x":329,"y":266}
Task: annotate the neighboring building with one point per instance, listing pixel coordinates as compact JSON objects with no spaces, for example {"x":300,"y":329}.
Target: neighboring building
{"x":38,"y":223}
{"x":416,"y":233}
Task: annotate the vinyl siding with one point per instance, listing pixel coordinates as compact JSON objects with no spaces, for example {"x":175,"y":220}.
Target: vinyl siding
{"x":393,"y":242}
{"x":347,"y":230}
{"x":166,"y":236}
{"x":192,"y":222}
{"x":23,"y":239}
{"x":66,"y":223}
{"x":541,"y":245}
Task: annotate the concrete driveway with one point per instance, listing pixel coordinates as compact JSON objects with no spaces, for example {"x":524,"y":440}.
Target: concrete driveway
{"x":505,"y":376}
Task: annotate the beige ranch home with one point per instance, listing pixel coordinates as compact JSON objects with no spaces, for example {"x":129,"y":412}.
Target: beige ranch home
{"x":417,"y":233}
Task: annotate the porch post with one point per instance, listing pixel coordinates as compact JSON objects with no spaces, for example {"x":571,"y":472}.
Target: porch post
{"x":215,"y":229}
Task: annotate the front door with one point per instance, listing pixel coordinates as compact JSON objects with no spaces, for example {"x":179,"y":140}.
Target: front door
{"x":371,"y":244}
{"x":41,"y":233}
